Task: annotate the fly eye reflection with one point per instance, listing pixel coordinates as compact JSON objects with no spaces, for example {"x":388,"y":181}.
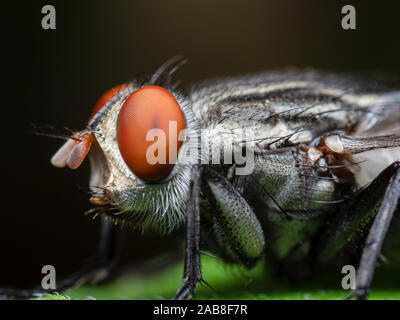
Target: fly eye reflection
{"x":148,"y":128}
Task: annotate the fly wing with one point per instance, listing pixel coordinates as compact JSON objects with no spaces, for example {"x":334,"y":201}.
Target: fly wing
{"x":383,"y":118}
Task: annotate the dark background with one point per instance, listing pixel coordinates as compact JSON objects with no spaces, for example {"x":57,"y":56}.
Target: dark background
{"x":56,"y":76}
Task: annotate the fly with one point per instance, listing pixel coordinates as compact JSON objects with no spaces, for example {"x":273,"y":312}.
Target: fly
{"x":324,"y":152}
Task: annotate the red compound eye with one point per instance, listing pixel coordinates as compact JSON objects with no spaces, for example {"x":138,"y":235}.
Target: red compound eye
{"x":150,"y":108}
{"x":106,"y":97}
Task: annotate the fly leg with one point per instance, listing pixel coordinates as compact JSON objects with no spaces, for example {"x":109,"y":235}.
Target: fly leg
{"x":358,"y":210}
{"x":98,"y":270}
{"x":192,"y":272}
{"x":238,"y":231}
{"x":101,"y":267}
{"x":377,"y":233}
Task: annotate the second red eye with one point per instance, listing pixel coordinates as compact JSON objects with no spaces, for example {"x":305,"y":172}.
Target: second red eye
{"x":106,"y":97}
{"x":149,"y":124}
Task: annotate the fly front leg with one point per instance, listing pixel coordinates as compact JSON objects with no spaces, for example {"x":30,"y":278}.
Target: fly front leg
{"x":357,"y":211}
{"x":102,"y":265}
{"x":98,"y":270}
{"x":238,"y":231}
{"x":192,"y":272}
